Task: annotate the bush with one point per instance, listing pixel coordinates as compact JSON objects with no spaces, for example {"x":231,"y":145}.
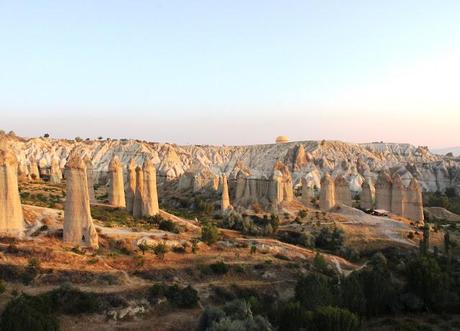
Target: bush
{"x":293,"y":316}
{"x":333,"y":318}
{"x":169,"y":226}
{"x":209,"y":233}
{"x":314,"y":291}
{"x":186,"y":297}
{"x":219,"y":268}
{"x":330,"y":238}
{"x":26,"y":313}
{"x":71,"y":301}
{"x":160,"y":250}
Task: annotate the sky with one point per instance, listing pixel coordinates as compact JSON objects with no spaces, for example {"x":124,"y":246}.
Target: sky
{"x":232,"y":71}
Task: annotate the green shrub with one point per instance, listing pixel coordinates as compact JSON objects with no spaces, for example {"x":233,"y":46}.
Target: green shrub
{"x":26,"y":313}
{"x":186,"y":297}
{"x":160,"y":250}
{"x":333,"y":318}
{"x":219,"y":268}
{"x":209,"y":233}
{"x":169,"y":226}
{"x":314,"y":291}
{"x":293,"y":316}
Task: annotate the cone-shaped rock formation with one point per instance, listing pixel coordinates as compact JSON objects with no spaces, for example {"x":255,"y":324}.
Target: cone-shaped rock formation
{"x":150,"y":198}
{"x":383,"y":192}
{"x":413,"y":209}
{"x":327,"y":193}
{"x":367,"y":195}
{"x":131,"y":185}
{"x":55,"y":172}
{"x":78,"y":224}
{"x":116,"y":187}
{"x":342,"y":191}
{"x":139,"y":196}
{"x":225,"y":202}
{"x":398,"y":196}
{"x":11,"y":217}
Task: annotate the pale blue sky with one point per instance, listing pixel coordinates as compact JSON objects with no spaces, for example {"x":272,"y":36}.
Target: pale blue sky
{"x":232,"y":72}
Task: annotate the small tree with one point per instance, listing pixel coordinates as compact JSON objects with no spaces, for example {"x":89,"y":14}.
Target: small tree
{"x":143,"y":246}
{"x":160,"y":250}
{"x":209,"y":233}
{"x":46,"y":135}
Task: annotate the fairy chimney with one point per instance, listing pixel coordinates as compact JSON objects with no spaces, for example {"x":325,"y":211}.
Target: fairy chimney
{"x":225,"y":202}
{"x":131,"y":185}
{"x":116,"y":187}
{"x":327,"y":193}
{"x":90,"y":178}
{"x":150,"y":206}
{"x":139,"y":196}
{"x":398,"y":196}
{"x":11,"y":217}
{"x":383,"y":192}
{"x":367,"y":195}
{"x":342,"y":191}
{"x":414,"y":203}
{"x":55,"y":171}
{"x":78,"y":223}
{"x":33,"y":169}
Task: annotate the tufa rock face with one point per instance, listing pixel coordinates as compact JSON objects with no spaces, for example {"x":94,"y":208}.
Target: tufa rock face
{"x":33,"y":170}
{"x":413,"y":209}
{"x":367,"y":195}
{"x":55,"y":172}
{"x":116,"y":187}
{"x":78,"y":224}
{"x":90,"y":179}
{"x":383,"y":192}
{"x":150,"y":198}
{"x":327,"y":193}
{"x":342,"y":191}
{"x":131,"y":185}
{"x":225,"y":202}
{"x":398,"y":196}
{"x":138,"y":197}
{"x":308,"y":191}
{"x":281,"y":188}
{"x":11,"y":217}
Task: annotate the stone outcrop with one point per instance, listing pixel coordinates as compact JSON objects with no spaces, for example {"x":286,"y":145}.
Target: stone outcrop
{"x":11,"y":217}
{"x":342,"y":191}
{"x":281,"y":187}
{"x":367,"y":195}
{"x":139,"y":196}
{"x":398,"y":196}
{"x":130,"y":185}
{"x":327,"y":193}
{"x":34,"y":172}
{"x":225,"y":199}
{"x":90,"y":179}
{"x":116,"y":185}
{"x":308,"y":191}
{"x":55,"y":172}
{"x":23,"y":172}
{"x":383,"y":192}
{"x":150,"y":198}
{"x":413,"y":209}
{"x":78,"y":224}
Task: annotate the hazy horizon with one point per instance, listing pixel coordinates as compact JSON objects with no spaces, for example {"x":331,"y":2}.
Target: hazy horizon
{"x":234,"y":72}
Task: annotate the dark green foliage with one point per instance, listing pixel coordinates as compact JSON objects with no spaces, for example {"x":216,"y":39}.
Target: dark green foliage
{"x":352,"y":294}
{"x":160,"y":250}
{"x":209,"y":233}
{"x":71,"y":301}
{"x":235,"y":315}
{"x":26,"y":313}
{"x":169,"y":226}
{"x":426,"y":280}
{"x":330,"y":238}
{"x":186,"y":297}
{"x":293,"y":316}
{"x":219,"y":268}
{"x":333,"y":318}
{"x":314,"y":291}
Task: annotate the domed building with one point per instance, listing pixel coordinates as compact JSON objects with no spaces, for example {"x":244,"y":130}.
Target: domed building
{"x":282,"y":140}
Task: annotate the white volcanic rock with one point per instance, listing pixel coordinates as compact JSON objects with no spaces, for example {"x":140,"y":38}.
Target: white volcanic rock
{"x":139,"y":196}
{"x":150,"y":197}
{"x":413,"y":209}
{"x":308,"y":191}
{"x":78,"y":224}
{"x":383,"y":192}
{"x":342,"y":191}
{"x":55,"y":171}
{"x":225,"y":199}
{"x":34,"y":172}
{"x":327,"y":193}
{"x":130,"y":185}
{"x":433,"y":172}
{"x":89,"y":179}
{"x":116,"y":184}
{"x":367,"y":195}
{"x":398,"y":196}
{"x":11,"y":217}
